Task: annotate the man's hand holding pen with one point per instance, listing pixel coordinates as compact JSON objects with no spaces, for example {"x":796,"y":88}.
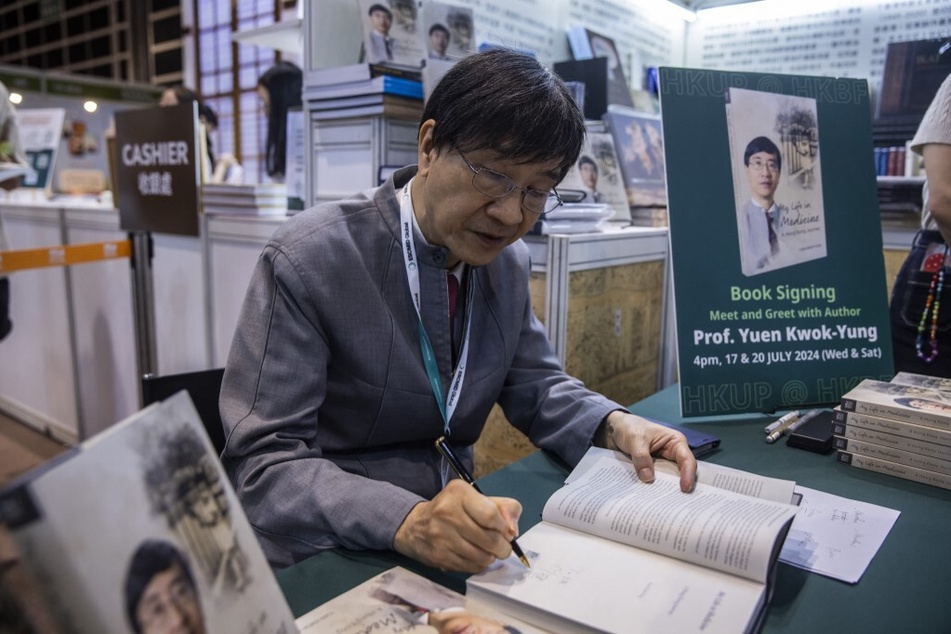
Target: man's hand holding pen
{"x":459,"y":529}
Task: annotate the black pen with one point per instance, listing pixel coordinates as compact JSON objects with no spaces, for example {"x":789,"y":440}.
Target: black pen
{"x":460,"y":470}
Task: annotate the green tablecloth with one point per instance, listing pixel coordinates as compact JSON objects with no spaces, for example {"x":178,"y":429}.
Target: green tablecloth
{"x":907,"y":587}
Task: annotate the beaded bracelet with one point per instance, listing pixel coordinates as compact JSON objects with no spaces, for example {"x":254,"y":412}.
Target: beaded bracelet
{"x":932,"y":305}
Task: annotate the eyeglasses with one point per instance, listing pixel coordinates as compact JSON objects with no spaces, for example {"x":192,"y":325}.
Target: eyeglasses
{"x":759,"y":165}
{"x":496,"y":185}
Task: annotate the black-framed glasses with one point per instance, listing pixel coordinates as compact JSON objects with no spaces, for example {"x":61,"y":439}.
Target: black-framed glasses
{"x":496,"y":185}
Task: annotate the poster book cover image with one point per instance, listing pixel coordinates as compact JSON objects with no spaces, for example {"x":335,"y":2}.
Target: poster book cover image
{"x":139,"y":520}
{"x":777,"y":179}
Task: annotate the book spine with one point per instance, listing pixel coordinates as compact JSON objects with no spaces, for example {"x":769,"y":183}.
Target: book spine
{"x":896,"y":412}
{"x":905,"y":472}
{"x":892,"y":454}
{"x":923,"y":434}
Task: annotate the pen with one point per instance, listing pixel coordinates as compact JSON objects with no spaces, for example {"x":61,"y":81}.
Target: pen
{"x":805,"y":417}
{"x":461,"y":471}
{"x":779,"y":430}
{"x":782,"y":421}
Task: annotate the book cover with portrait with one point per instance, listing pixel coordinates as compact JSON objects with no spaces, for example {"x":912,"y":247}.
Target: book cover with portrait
{"x":777,"y":179}
{"x":392,"y":32}
{"x":138,"y":529}
{"x":597,"y":174}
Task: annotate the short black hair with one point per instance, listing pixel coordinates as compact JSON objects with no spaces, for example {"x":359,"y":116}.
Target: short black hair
{"x":506,"y":101}
{"x":380,"y":7}
{"x":585,"y":159}
{"x":152,"y":557}
{"x":762,"y":144}
{"x":438,"y":27}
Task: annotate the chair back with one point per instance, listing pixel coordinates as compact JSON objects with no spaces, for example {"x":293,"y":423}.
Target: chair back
{"x":202,"y":386}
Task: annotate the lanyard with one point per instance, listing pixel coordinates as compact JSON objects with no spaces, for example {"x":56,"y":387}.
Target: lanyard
{"x":446,"y":405}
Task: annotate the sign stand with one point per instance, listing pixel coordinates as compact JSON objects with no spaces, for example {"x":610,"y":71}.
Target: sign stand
{"x":143,"y":305}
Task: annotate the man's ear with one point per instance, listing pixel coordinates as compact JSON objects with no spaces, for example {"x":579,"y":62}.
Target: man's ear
{"x":426,"y":149}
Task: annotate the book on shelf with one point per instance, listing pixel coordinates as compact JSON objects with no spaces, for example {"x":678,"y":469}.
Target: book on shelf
{"x":362,"y":100}
{"x":391,"y":33}
{"x":137,"y":516}
{"x":380,"y":84}
{"x":363,"y":71}
{"x":926,"y":436}
{"x":613,"y":554}
{"x":596,"y":174}
{"x":389,"y":106}
{"x":905,"y":403}
{"x":905,"y":472}
{"x":639,"y":142}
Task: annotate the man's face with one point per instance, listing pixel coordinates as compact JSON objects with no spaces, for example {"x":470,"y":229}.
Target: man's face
{"x":169,"y":605}
{"x":381,"y":21}
{"x":763,"y":174}
{"x":452,"y":213}
{"x":439,"y":41}
{"x":589,"y":175}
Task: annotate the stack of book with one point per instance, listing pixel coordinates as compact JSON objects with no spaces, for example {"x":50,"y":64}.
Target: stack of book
{"x":901,"y":428}
{"x":364,"y":89}
{"x":574,"y":218}
{"x":267,"y":199}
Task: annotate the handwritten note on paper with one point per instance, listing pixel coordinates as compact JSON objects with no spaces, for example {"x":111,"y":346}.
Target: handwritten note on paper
{"x":835,"y":536}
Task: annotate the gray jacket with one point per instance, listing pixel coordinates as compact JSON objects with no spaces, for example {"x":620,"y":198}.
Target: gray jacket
{"x":328,"y":413}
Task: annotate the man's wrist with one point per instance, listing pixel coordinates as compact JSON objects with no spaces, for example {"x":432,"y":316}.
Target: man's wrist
{"x":604,"y":434}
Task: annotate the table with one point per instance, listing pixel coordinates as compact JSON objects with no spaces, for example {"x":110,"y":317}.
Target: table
{"x":905,"y":589}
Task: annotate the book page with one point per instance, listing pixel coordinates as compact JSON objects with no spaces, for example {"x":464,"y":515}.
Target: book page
{"x":581,"y":583}
{"x":720,"y":476}
{"x":712,"y":527}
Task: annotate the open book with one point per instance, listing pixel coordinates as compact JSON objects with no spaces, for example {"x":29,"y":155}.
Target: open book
{"x":613,"y":554}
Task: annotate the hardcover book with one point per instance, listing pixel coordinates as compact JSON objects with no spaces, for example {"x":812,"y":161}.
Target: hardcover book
{"x":449,"y":32}
{"x":613,"y":554}
{"x":905,"y":403}
{"x":638,"y":140}
{"x":586,"y":44}
{"x":138,"y":528}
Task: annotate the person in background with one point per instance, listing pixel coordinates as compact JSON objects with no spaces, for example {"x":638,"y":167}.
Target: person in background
{"x":350,"y":336}
{"x":177,"y":95}
{"x":920,"y":312}
{"x":280,"y":89}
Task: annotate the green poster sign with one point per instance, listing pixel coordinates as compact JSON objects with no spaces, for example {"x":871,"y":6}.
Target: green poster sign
{"x":776,"y":243}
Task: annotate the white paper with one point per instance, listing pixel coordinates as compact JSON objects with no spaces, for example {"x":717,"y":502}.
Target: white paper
{"x":835,"y":536}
